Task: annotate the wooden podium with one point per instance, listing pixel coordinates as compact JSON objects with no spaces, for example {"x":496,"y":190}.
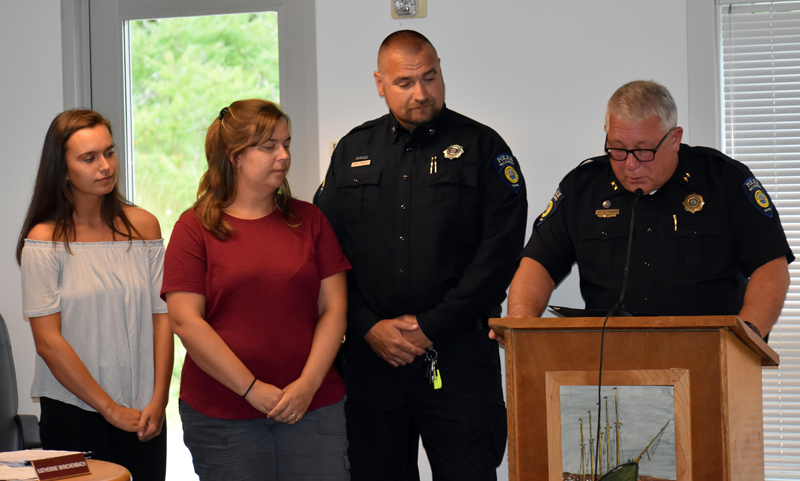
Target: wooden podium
{"x":713,"y":364}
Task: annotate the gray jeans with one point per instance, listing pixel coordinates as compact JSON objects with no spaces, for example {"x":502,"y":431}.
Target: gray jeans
{"x":262,"y":449}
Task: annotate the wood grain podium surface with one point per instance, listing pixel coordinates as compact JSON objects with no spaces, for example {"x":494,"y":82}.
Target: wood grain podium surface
{"x":104,"y":471}
{"x":714,"y":364}
{"x":732,"y":323}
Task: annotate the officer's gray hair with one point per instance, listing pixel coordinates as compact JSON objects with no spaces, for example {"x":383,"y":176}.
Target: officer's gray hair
{"x":641,"y":99}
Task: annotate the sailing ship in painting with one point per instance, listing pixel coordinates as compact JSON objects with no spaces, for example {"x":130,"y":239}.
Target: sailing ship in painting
{"x":609,"y":465}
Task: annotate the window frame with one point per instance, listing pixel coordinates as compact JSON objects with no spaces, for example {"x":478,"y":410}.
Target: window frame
{"x":94,"y":62}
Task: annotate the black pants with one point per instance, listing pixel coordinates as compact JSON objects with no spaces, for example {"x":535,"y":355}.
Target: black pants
{"x":462,"y":425}
{"x":70,"y":428}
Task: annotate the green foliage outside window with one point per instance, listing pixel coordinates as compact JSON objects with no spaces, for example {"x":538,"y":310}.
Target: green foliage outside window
{"x":184,"y":70}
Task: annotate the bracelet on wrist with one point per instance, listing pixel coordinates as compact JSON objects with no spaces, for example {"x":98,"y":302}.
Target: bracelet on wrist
{"x":251,"y":387}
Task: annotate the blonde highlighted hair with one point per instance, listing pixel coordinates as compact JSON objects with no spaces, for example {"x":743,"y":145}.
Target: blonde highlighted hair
{"x":246,"y":123}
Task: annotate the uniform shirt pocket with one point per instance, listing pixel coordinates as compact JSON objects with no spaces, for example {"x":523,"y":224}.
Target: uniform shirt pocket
{"x":359,"y":197}
{"x":603,"y":246}
{"x":694,"y":244}
{"x":455,"y":185}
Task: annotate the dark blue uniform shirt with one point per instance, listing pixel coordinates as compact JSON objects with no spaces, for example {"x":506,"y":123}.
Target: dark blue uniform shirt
{"x":696,"y":240}
{"x":432,"y":221}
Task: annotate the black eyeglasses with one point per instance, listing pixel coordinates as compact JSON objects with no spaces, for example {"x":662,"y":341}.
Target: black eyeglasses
{"x":642,"y":155}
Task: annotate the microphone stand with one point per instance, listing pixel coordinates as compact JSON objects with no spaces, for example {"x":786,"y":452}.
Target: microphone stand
{"x":617,"y":311}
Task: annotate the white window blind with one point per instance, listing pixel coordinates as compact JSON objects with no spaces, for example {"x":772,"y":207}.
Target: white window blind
{"x":760,"y":55}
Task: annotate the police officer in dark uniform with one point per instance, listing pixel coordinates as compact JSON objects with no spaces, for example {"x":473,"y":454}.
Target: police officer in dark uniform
{"x":430,"y":208}
{"x":707,"y":239}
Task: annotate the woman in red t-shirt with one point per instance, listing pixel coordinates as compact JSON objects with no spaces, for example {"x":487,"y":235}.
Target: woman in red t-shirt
{"x":255,"y":286}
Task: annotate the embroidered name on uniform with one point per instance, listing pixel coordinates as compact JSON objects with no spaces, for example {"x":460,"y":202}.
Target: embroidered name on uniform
{"x":507,"y":168}
{"x":758,"y":196}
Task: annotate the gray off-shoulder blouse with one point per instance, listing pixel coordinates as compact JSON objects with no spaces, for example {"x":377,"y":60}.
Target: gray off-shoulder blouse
{"x":107,"y":293}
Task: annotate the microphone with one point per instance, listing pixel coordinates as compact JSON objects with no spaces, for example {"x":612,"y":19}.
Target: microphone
{"x":616,"y":311}
{"x":619,"y":309}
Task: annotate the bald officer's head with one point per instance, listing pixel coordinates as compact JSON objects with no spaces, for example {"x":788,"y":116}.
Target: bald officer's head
{"x":409,"y":78}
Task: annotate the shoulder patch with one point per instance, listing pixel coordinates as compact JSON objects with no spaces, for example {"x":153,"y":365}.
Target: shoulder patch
{"x":507,"y":168}
{"x":758,"y":196}
{"x":551,"y":207}
{"x":322,"y":185}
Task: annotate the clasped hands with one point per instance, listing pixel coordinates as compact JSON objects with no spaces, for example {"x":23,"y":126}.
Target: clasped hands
{"x":287,"y":405}
{"x":146,"y":423}
{"x":398,"y":341}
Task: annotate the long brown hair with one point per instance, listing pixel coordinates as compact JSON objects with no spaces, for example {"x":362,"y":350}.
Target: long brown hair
{"x":246,"y":123}
{"x":52,"y":195}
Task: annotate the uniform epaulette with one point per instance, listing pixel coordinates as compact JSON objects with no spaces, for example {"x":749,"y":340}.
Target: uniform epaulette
{"x":462,"y":119}
{"x":714,"y":153}
{"x":589,"y":161}
{"x":366,"y":125}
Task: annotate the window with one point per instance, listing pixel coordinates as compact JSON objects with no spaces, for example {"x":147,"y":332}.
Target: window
{"x":760,"y":56}
{"x":95,"y":39}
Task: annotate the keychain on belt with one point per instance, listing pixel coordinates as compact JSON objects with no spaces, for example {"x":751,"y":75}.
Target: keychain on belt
{"x":432,"y":368}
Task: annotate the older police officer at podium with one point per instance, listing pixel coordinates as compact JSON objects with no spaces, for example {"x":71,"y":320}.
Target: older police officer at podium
{"x":707,"y":239}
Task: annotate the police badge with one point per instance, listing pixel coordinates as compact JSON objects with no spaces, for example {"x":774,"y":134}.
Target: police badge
{"x":453,"y":152}
{"x":693,"y":203}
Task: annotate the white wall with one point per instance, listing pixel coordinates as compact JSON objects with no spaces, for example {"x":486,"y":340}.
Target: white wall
{"x":30,"y":96}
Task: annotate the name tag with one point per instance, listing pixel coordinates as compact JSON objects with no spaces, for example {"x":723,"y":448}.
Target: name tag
{"x":61,"y":467}
{"x":606,"y":213}
{"x":360,"y":163}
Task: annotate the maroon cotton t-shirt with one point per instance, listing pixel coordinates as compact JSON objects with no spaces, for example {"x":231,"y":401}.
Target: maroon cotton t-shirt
{"x":261,"y":287}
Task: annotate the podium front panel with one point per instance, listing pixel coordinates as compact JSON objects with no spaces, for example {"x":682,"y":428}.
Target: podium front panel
{"x":717,"y":382}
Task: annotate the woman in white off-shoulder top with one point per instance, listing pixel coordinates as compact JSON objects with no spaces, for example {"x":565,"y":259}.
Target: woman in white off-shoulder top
{"x":91,"y":276}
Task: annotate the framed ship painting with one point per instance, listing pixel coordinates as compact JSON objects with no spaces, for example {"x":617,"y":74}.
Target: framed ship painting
{"x":643,"y":425}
